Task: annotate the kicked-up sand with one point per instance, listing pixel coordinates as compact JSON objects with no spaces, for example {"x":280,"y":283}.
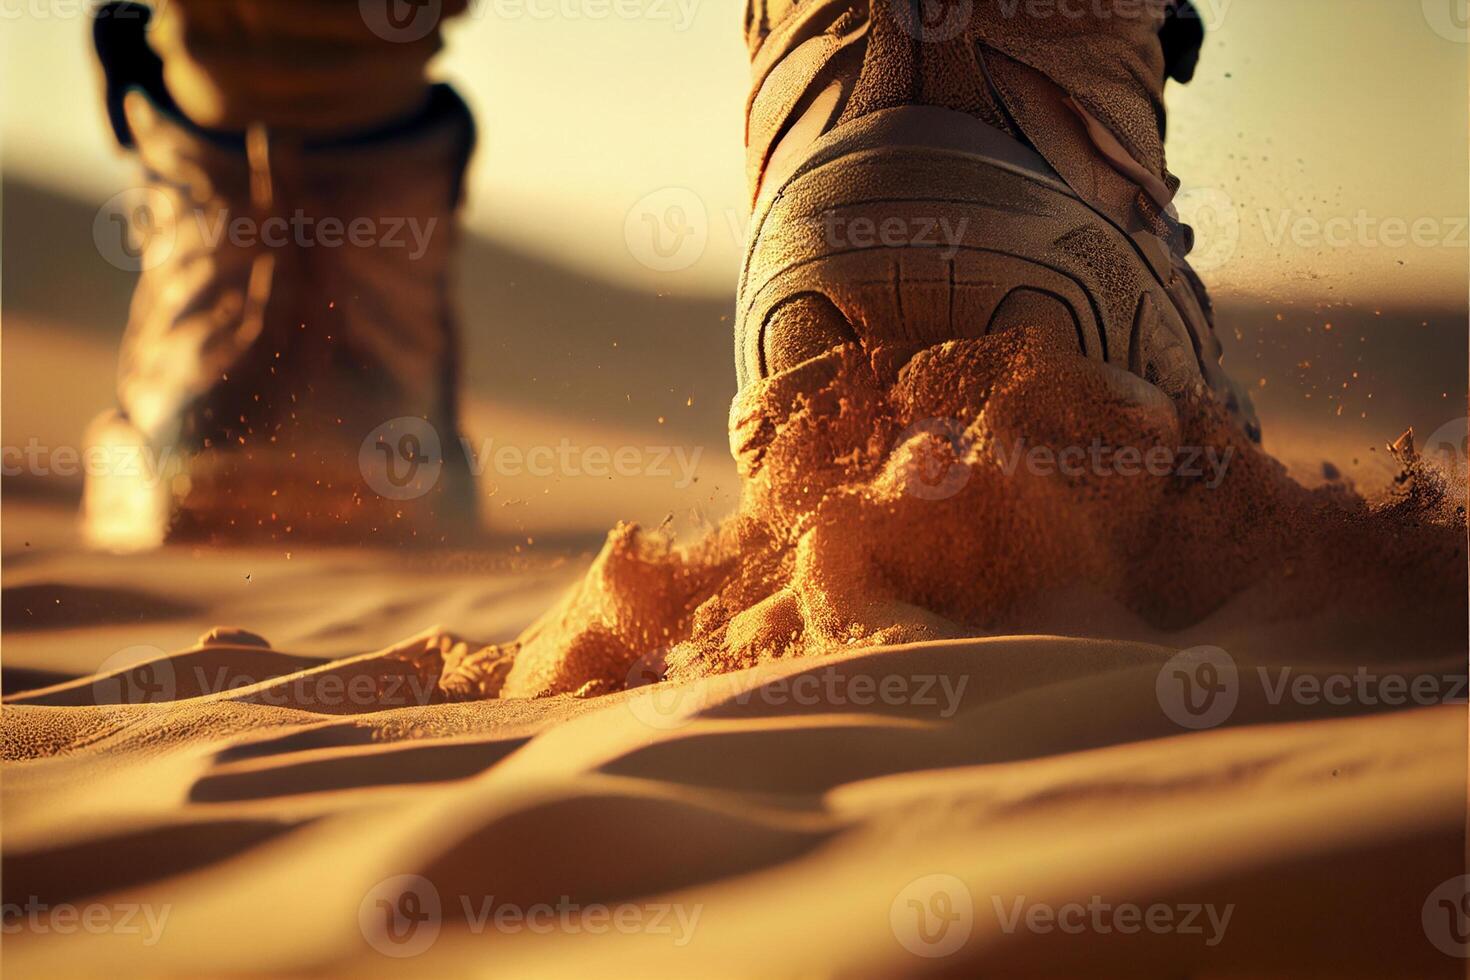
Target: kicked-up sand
{"x":1007,"y":665}
{"x":992,"y":487}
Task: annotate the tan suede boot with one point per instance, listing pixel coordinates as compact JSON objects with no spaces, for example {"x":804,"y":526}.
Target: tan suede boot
{"x":928,"y":170}
{"x":288,"y":371}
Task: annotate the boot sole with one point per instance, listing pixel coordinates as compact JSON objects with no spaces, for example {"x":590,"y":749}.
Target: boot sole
{"x":917,"y":225}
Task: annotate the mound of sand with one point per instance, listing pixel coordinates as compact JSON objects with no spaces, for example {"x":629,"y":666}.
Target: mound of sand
{"x":990,"y":487}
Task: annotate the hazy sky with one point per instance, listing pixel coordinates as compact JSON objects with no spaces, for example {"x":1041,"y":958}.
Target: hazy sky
{"x":1322,"y":147}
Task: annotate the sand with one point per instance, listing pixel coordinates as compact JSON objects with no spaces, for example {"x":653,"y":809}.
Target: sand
{"x":995,"y":487}
{"x":785,"y":826}
{"x":907,"y":711}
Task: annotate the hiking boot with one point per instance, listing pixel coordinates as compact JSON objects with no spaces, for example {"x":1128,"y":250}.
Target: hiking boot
{"x":932,"y":170}
{"x":288,"y":369}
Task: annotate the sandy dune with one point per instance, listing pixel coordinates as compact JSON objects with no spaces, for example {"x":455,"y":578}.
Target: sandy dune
{"x":786,"y":813}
